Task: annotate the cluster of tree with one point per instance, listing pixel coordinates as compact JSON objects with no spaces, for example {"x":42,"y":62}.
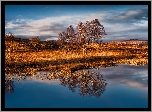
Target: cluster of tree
{"x":87,"y":33}
{"x":37,"y":45}
{"x":9,"y":36}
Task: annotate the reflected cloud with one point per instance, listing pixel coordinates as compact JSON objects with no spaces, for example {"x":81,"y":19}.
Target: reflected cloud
{"x":134,"y":84}
{"x":133,"y":76}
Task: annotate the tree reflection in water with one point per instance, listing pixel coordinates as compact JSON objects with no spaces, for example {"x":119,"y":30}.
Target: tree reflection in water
{"x":9,"y":86}
{"x":88,"y":82}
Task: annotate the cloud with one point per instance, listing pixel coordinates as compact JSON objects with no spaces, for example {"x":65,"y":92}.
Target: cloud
{"x":130,"y":16}
{"x":10,"y":25}
{"x":50,"y":26}
{"x":128,"y":24}
{"x":133,"y":14}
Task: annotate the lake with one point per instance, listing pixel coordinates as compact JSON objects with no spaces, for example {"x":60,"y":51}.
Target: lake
{"x":121,"y":86}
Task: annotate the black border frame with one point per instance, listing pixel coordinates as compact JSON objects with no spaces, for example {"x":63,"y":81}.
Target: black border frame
{"x":3,"y":3}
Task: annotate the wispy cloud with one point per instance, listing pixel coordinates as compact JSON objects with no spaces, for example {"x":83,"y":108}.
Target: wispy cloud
{"x":130,"y":16}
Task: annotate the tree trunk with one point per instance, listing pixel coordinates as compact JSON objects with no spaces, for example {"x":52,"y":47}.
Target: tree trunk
{"x":84,"y":50}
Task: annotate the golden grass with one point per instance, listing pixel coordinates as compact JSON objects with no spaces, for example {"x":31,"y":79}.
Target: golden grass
{"x":127,"y":54}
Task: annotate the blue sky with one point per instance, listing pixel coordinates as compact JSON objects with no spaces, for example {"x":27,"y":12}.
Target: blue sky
{"x":47,"y":21}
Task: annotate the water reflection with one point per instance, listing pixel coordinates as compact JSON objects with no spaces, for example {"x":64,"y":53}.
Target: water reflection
{"x":87,"y":82}
{"x":126,"y":88}
{"x":9,"y":86}
{"x":132,"y":76}
{"x":79,"y":76}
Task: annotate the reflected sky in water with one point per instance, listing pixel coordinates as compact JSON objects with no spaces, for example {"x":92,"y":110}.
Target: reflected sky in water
{"x":133,"y":76}
{"x":127,"y":88}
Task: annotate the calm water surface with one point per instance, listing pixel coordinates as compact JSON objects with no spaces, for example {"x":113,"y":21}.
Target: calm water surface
{"x":127,"y":88}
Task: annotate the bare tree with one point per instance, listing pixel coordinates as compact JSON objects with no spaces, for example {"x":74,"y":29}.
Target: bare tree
{"x":87,"y":33}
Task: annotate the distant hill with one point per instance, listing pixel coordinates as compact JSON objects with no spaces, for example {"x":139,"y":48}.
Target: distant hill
{"x":131,"y":41}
